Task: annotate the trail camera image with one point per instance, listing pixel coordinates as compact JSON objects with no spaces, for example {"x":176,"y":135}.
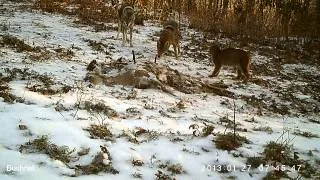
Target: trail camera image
{"x":160,"y":89}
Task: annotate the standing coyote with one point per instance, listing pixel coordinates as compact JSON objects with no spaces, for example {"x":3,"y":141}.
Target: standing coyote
{"x":170,"y":35}
{"x":230,"y":57}
{"x":126,"y":17}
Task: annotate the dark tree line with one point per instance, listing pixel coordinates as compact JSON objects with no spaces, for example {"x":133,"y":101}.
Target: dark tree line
{"x":255,"y":19}
{"x":251,"y":18}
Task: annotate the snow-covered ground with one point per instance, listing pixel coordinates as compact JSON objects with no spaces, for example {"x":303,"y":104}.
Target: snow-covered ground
{"x":196,"y":154}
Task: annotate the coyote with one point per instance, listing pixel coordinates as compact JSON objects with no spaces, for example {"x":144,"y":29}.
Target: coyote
{"x":170,"y":35}
{"x":230,"y":57}
{"x":126,"y":17}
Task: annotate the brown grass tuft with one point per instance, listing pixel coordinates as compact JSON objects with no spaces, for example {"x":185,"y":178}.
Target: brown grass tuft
{"x":228,"y":142}
{"x":99,"y":131}
{"x":43,"y":145}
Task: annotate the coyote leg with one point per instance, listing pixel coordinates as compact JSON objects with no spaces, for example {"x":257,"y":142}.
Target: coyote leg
{"x":216,"y":70}
{"x":119,"y":28}
{"x":131,"y":29}
{"x":123,"y":36}
{"x":240,"y":74}
{"x":175,"y":51}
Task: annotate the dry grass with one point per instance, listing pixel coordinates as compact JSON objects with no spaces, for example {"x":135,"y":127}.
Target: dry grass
{"x":10,"y":98}
{"x":43,"y":145}
{"x":137,"y":162}
{"x":83,"y":151}
{"x":5,"y":91}
{"x":129,"y":136}
{"x":99,"y":131}
{"x":88,"y":11}
{"x":137,"y":175}
{"x":42,"y":83}
{"x":133,"y":111}
{"x":100,"y":163}
{"x":53,"y":6}
{"x":97,"y":46}
{"x":63,"y":53}
{"x":314,"y":121}
{"x":309,"y":171}
{"x":278,"y":152}
{"x":305,"y":134}
{"x":22,"y":127}
{"x":176,"y":169}
{"x":163,"y":176}
{"x":96,"y":168}
{"x":41,"y":56}
{"x":100,"y":108}
{"x":255,"y":162}
{"x":140,"y":135}
{"x":14,"y":42}
{"x":229,"y":142}
{"x":275,"y":175}
{"x":203,"y":130}
{"x":95,"y":10}
{"x":266,"y":129}
{"x":253,"y":18}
